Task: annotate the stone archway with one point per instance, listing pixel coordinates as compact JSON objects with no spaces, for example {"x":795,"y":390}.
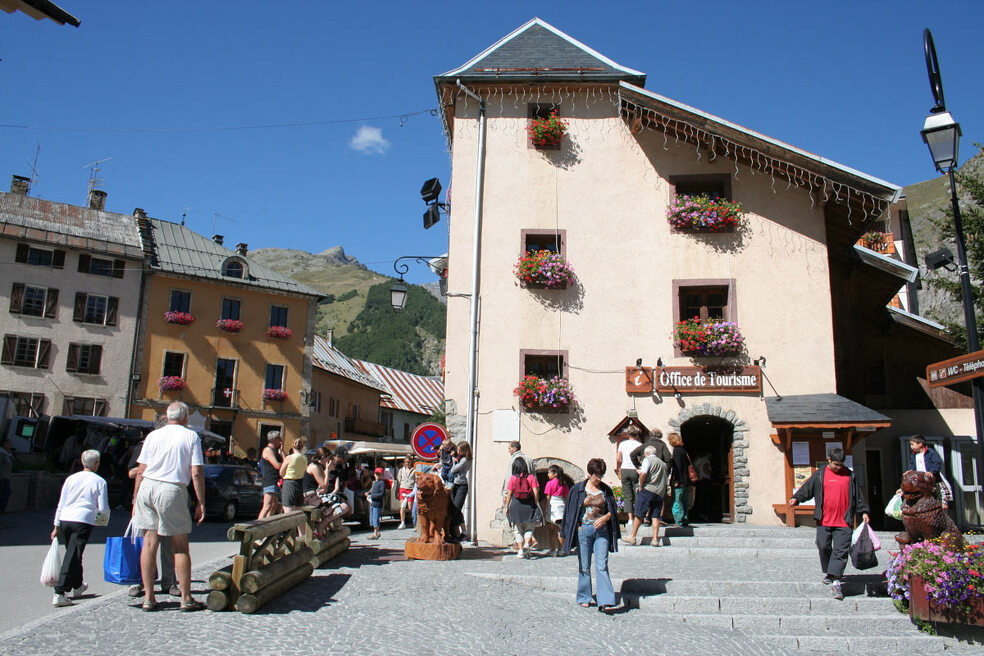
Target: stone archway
{"x":739,"y":445}
{"x":572,"y":470}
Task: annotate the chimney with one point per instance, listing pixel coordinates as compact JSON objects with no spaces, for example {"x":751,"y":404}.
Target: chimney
{"x":242,"y":249}
{"x":218,"y":239}
{"x":139,"y":213}
{"x":97,"y":199}
{"x":330,"y":337}
{"x":19,"y":185}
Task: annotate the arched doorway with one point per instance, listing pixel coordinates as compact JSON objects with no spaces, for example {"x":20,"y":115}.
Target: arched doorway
{"x":709,"y":440}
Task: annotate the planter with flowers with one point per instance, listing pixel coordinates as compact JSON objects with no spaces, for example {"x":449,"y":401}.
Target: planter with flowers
{"x":711,"y":337}
{"x":701,"y":213}
{"x":937,"y":584}
{"x":880,"y":242}
{"x":547,"y":132}
{"x":171,"y":383}
{"x":274,"y":395}
{"x":623,"y":515}
{"x":229,"y":325}
{"x":544,"y":269}
{"x":180,"y":318}
{"x":545,"y":395}
{"x":279,"y":332}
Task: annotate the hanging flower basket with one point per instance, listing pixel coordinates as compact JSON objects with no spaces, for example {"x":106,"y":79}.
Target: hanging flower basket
{"x":878,"y":241}
{"x":279,"y":332}
{"x":180,"y":318}
{"x":712,"y":337}
{"x":938,"y":584}
{"x":541,"y":394}
{"x":229,"y":325}
{"x":274,"y":394}
{"x":701,"y":213}
{"x":544,"y":269}
{"x":547,"y":132}
{"x":171,"y":383}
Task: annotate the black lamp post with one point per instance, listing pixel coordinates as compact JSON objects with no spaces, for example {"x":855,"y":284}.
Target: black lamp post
{"x":942,"y":134}
{"x":398,"y":292}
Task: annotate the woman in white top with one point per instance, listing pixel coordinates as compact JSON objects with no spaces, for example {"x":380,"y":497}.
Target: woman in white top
{"x":625,"y":470}
{"x":82,"y":496}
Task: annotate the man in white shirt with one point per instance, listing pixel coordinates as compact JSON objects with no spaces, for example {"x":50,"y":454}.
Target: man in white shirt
{"x":171,"y":456}
{"x":83,"y":495}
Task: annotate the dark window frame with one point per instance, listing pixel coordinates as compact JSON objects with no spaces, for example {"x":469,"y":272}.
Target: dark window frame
{"x":542,"y":354}
{"x":232,"y":303}
{"x":680,"y":285}
{"x":695,"y":184}
{"x":275,"y":316}
{"x":267,"y":379}
{"x":164,"y":364}
{"x":183,"y":297}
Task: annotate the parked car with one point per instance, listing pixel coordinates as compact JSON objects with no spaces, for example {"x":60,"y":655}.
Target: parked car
{"x":232,"y":490}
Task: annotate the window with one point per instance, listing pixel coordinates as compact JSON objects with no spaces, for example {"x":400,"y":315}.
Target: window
{"x":554,"y":241}
{"x":713,"y":185}
{"x":274,"y":377}
{"x":712,"y":298}
{"x":180,"y":301}
{"x":406,"y":432}
{"x":234,"y":269}
{"x":174,"y":364}
{"x":33,"y":301}
{"x":40,"y":257}
{"x":26,"y":351}
{"x":387,"y":418}
{"x":278,"y":316}
{"x":94,"y":309}
{"x":84,"y":358}
{"x":26,"y":404}
{"x":98,"y":266}
{"x":84,"y":405}
{"x":544,"y":364}
{"x":230,"y":308}
{"x":353,"y":410}
{"x":332,"y":406}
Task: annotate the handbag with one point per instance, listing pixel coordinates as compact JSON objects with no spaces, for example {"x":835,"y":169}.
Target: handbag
{"x":863,"y":552}
{"x":121,"y":563}
{"x":51,"y":568}
{"x":691,"y":472}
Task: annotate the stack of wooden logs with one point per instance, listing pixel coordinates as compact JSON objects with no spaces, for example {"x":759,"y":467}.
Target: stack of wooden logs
{"x":275,"y":554}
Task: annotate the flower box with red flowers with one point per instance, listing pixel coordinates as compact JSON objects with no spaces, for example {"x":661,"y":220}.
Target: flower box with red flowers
{"x":229,"y":325}
{"x":171,"y":383}
{"x":938,"y":584}
{"x":279,"y":332}
{"x":545,"y":395}
{"x":711,"y":337}
{"x":544,"y":269}
{"x":547,"y":132}
{"x":274,"y":395}
{"x":180,"y":318}
{"x":701,"y":213}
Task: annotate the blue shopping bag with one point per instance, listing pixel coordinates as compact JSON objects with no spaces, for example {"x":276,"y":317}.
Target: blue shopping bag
{"x":121,"y":564}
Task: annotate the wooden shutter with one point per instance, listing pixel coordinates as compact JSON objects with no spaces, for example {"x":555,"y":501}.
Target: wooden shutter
{"x":119,"y":266}
{"x":37,"y":404}
{"x":99,"y":408}
{"x":51,"y":303}
{"x":112,"y":310}
{"x":16,"y":297}
{"x":22,"y":253}
{"x":67,"y":406}
{"x":9,"y":346}
{"x":95,"y":358}
{"x":44,"y":353}
{"x":72,"y":361}
{"x":79,"y":313}
{"x":58,"y":259}
{"x":85,"y":263}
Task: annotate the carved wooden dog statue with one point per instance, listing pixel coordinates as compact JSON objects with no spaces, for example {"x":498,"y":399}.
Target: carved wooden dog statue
{"x":432,"y":509}
{"x":922,"y":513}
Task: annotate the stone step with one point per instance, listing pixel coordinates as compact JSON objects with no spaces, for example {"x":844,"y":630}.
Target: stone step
{"x":872,"y":644}
{"x":825,"y":606}
{"x":742,"y":542}
{"x":744,"y":530}
{"x":811,"y":625}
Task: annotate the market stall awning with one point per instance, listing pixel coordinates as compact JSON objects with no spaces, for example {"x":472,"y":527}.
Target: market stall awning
{"x":823,"y":411}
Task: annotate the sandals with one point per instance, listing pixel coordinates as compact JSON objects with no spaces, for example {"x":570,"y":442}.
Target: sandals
{"x":191,"y":606}
{"x":585,"y":605}
{"x":148,"y":606}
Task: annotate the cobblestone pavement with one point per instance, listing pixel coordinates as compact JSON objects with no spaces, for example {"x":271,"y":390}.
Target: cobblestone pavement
{"x":371,"y":601}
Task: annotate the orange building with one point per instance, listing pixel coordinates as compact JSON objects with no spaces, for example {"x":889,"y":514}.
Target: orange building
{"x":225,"y":335}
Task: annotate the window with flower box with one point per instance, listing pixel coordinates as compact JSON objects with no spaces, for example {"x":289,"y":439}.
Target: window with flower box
{"x":33,"y":301}
{"x":274,"y":377}
{"x":231,"y":308}
{"x":540,"y":112}
{"x":707,"y":300}
{"x":543,"y":382}
{"x":278,"y":316}
{"x":174,"y":364}
{"x":180,"y":301}
{"x":543,"y":260}
{"x":715,"y":187}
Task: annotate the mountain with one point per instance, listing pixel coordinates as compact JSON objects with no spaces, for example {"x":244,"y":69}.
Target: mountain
{"x":412,"y":340}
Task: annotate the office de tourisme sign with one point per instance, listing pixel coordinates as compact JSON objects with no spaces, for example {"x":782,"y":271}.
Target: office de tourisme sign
{"x":693,"y":380}
{"x":955,"y":370}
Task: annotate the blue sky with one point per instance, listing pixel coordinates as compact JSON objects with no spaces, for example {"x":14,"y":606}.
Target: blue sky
{"x":843,"y":79}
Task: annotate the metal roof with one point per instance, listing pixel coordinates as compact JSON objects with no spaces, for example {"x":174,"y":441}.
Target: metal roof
{"x":330,"y":359}
{"x":421,"y":395}
{"x":177,"y":249}
{"x":40,"y":9}
{"x":889,"y":265}
{"x":819,"y":409}
{"x":70,"y":226}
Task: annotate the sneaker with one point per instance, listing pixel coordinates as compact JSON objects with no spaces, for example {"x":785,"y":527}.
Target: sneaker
{"x":837,"y":592}
{"x":61,"y":600}
{"x":401,"y":526}
{"x":79,"y":591}
{"x":135,"y":591}
{"x":521,"y":553}
{"x":827,"y":580}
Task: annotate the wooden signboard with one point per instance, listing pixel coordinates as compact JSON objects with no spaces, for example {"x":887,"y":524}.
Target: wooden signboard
{"x":955,"y":370}
{"x":708,"y":380}
{"x":638,"y":380}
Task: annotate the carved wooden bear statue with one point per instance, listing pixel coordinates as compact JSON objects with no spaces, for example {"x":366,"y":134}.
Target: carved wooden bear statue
{"x":432,"y":509}
{"x":922,"y":513}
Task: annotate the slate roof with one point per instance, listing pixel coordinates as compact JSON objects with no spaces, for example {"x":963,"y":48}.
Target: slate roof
{"x":421,"y":395}
{"x":330,"y":359}
{"x":539,"y":51}
{"x":71,"y":226}
{"x":173,"y":248}
{"x":820,"y":409}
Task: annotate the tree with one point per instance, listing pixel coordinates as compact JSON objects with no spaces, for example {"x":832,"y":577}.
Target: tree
{"x":970,"y":190}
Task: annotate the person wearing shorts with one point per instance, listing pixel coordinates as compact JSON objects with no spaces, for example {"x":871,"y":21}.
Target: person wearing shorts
{"x":271,"y":459}
{"x":170,"y":458}
{"x":653,"y":477}
{"x":406,"y":479}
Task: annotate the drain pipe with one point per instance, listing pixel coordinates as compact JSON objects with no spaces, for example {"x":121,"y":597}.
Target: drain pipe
{"x":473,"y":340}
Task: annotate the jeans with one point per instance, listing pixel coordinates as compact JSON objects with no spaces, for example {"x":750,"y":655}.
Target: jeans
{"x":834,"y":545}
{"x":374,"y":514}
{"x":74,"y":535}
{"x":590,"y":542}
{"x":681,"y":504}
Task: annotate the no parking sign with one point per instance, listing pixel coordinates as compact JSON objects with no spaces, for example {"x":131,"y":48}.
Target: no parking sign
{"x":427,"y":439}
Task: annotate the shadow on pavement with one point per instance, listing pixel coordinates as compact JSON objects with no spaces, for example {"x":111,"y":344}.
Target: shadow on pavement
{"x":311,"y":596}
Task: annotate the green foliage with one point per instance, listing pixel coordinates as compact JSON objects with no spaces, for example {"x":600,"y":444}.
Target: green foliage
{"x":393,"y":339}
{"x":970,"y":189}
{"x":328,"y":299}
{"x":352,"y":293}
{"x":439,"y":416}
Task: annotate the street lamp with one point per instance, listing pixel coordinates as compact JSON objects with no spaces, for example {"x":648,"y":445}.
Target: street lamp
{"x":942,"y":134}
{"x":398,"y":292}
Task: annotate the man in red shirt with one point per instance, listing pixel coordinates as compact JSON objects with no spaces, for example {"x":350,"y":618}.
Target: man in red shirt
{"x":838,"y":498}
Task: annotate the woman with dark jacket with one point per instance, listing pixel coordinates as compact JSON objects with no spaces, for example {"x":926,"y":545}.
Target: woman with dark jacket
{"x":590,"y":523}
{"x":679,"y":479}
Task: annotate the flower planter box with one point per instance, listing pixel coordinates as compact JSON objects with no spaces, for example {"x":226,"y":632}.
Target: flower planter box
{"x":171,"y":383}
{"x":544,"y":396}
{"x":546,"y":409}
{"x":544,"y":270}
{"x":279,"y":332}
{"x":921,"y":608}
{"x":546,"y":133}
{"x":701,"y":213}
{"x":274,"y":395}
{"x":713,"y":337}
{"x":229,"y":325}
{"x":180,"y":318}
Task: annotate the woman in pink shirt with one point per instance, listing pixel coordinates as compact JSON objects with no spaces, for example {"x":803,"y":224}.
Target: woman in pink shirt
{"x":556,"y":491}
{"x":523,"y":506}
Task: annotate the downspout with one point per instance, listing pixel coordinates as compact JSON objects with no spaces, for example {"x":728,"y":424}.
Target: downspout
{"x":137,"y":328}
{"x":473,"y":340}
{"x":909,"y":254}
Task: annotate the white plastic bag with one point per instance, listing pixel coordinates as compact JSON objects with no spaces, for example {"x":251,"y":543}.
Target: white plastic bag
{"x":894,"y":507}
{"x":102,"y":519}
{"x":51,"y":568}
{"x":862,"y":527}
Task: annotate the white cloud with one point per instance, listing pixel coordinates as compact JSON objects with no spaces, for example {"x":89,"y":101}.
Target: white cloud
{"x":369,"y":140}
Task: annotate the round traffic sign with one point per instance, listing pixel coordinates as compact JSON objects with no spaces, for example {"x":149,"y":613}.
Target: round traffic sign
{"x":427,"y":439}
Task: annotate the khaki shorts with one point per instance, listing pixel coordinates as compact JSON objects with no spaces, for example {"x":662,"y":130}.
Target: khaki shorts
{"x":162,"y":507}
